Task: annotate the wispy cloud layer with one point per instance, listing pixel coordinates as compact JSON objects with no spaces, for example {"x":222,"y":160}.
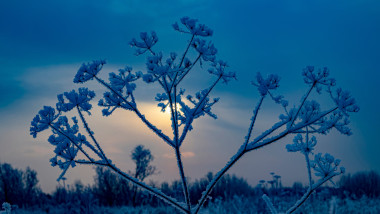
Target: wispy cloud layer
{"x":43,"y":44}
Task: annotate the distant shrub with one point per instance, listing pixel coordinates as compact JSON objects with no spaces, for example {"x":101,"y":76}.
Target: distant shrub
{"x":360,"y":184}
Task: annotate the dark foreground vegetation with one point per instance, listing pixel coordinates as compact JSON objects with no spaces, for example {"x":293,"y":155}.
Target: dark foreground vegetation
{"x":20,"y":188}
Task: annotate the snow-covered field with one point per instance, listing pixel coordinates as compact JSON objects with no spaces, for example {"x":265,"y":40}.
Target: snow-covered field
{"x":238,"y":205}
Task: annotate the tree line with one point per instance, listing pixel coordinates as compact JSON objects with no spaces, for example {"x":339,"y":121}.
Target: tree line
{"x":20,"y":188}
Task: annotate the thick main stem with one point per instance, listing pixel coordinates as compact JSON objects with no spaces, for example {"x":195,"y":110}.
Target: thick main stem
{"x":183,"y":178}
{"x":174,"y":113}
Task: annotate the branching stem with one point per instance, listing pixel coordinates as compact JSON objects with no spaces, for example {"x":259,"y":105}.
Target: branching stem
{"x":150,"y":125}
{"x":103,"y":156}
{"x":217,"y":177}
{"x":188,"y":123}
{"x":309,"y":192}
{"x":301,"y":105}
{"x":253,"y":119}
{"x":76,"y":145}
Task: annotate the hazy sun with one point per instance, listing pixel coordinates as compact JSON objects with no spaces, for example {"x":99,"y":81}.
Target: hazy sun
{"x":168,"y":111}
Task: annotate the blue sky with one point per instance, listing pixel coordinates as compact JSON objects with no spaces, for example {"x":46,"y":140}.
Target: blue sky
{"x":43,"y":43}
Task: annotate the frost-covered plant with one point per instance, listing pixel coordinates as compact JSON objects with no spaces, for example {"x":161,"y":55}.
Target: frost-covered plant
{"x":306,"y":119}
{"x":6,"y":207}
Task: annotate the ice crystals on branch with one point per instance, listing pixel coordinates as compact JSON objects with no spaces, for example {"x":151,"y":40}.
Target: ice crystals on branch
{"x":318,"y":78}
{"x":67,"y":140}
{"x":160,"y":98}
{"x":310,"y":111}
{"x":336,"y":120}
{"x":202,"y":104}
{"x":149,"y":78}
{"x":148,"y":41}
{"x":299,"y":145}
{"x":124,"y":80}
{"x":344,"y":101}
{"x":193,"y":28}
{"x":88,"y":71}
{"x":218,"y":68}
{"x":171,"y":59}
{"x":266,"y":84}
{"x":112,"y":101}
{"x":43,"y":120}
{"x":205,"y":49}
{"x":157,"y":70}
{"x":155,"y":67}
{"x":74,"y":99}
{"x":327,"y":165}
{"x":115,"y":98}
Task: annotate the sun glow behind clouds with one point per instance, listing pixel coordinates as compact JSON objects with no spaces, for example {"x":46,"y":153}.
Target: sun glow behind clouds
{"x":168,"y":109}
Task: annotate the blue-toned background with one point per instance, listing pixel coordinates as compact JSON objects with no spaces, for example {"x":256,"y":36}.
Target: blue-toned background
{"x":43,"y":43}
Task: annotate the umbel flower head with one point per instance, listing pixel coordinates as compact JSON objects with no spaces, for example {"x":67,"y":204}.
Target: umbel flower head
{"x":318,"y":77}
{"x":124,"y":80}
{"x":192,"y":27}
{"x":42,"y":120}
{"x":326,"y":165}
{"x":205,"y":49}
{"x":345,"y":102}
{"x":218,"y":69}
{"x":266,"y":84}
{"x":299,"y":145}
{"x":146,"y":43}
{"x":88,"y":71}
{"x":74,"y":99}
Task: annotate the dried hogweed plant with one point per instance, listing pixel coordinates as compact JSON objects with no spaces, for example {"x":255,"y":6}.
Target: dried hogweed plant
{"x":304,"y":120}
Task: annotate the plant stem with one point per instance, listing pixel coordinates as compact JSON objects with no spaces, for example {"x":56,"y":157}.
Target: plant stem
{"x":183,"y":178}
{"x":255,"y":145}
{"x":151,"y":126}
{"x":91,"y":135}
{"x":303,"y":102}
{"x":253,"y":119}
{"x":76,"y":145}
{"x":190,"y":120}
{"x":309,"y":191}
{"x":217,"y":177}
{"x":308,"y":159}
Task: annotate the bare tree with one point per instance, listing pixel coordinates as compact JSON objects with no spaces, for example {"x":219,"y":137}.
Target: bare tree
{"x":142,"y":158}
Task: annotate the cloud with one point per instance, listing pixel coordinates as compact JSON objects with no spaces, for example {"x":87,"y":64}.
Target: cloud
{"x":183,"y":154}
{"x":35,"y":36}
